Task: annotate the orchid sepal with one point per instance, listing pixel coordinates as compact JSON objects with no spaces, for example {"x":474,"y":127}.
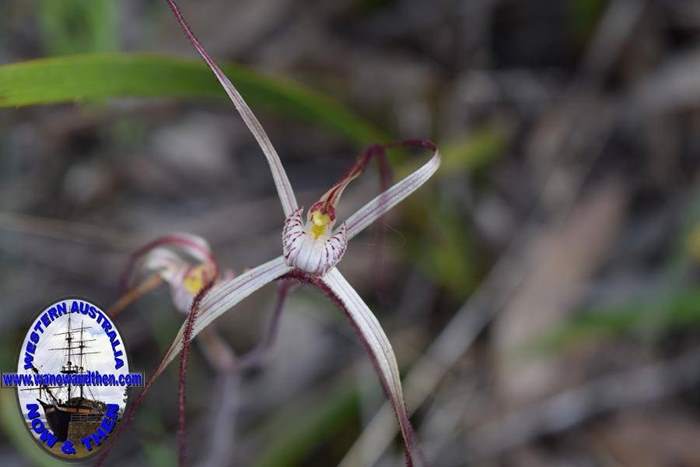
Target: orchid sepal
{"x":225,"y":295}
{"x":378,"y":346}
{"x":284,"y":187}
{"x":385,"y":201}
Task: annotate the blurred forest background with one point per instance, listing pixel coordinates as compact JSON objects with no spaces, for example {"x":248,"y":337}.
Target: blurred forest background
{"x":541,"y":291}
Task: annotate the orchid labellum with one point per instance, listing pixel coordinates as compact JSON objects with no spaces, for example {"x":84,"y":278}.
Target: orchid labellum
{"x":313,"y":244}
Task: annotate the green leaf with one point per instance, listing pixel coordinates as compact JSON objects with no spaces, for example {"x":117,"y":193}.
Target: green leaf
{"x":95,"y":77}
{"x":676,"y":311}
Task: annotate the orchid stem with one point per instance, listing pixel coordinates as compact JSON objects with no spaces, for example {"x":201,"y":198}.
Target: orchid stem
{"x":253,"y":357}
{"x":217,"y":351}
{"x":184,"y":358}
{"x":134,"y":294}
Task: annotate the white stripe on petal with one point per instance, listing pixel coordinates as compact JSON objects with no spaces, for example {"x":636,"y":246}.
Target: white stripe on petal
{"x":284,"y":188}
{"x":172,"y":253}
{"x":224,"y":296}
{"x":292,"y":234}
{"x":193,"y":245}
{"x":378,"y":346}
{"x":376,"y":208}
{"x":170,"y":266}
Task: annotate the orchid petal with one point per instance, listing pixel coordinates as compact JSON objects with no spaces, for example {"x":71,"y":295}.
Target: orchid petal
{"x":284,"y":187}
{"x":223,"y":296}
{"x":150,"y":283}
{"x":376,"y":208}
{"x":170,"y":266}
{"x":192,"y":245}
{"x":328,"y":202}
{"x":377,"y":344}
{"x":182,"y":260}
{"x":167,"y":255}
{"x":176,"y":259}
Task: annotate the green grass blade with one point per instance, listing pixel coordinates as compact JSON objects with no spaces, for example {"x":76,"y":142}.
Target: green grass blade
{"x":94,"y":77}
{"x":676,"y":311}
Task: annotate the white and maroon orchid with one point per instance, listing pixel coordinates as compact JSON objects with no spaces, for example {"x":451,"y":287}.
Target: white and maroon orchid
{"x":183,"y":261}
{"x":187,"y":265}
{"x":311,"y":249}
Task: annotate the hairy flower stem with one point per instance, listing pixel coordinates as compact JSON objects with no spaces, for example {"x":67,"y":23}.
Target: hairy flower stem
{"x":127,"y":419}
{"x":131,"y":411}
{"x":184,"y":358}
{"x":252,"y":358}
{"x":411,"y":448}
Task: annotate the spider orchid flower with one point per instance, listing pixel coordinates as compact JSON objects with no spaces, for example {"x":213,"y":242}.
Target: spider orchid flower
{"x":311,"y":251}
{"x":183,"y":261}
{"x":186,"y":263}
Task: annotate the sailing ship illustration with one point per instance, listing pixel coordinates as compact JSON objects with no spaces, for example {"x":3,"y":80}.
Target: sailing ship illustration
{"x":71,"y":411}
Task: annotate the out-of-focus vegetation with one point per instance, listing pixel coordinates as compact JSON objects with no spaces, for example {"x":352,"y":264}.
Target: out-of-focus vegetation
{"x":75,"y":26}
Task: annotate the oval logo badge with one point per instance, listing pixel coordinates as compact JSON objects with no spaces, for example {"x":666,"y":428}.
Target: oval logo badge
{"x":72,"y":379}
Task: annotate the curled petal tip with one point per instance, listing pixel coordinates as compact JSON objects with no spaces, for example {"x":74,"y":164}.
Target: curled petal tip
{"x":418,"y":143}
{"x":381,"y":204}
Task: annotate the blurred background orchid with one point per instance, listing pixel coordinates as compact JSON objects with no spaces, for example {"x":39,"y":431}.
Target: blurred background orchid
{"x":540,"y":293}
{"x":183,"y":261}
{"x":186,"y":264}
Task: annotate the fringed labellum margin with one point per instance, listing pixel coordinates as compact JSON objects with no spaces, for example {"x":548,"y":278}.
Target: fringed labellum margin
{"x":309,"y":247}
